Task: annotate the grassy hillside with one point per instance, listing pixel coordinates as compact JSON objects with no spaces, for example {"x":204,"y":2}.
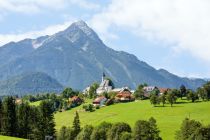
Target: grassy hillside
{"x":168,"y":119}
{"x":9,"y":138}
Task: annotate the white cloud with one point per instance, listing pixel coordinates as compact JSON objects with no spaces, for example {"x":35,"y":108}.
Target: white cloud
{"x":184,"y":23}
{"x":37,"y":6}
{"x":86,"y":4}
{"x":5,"y":38}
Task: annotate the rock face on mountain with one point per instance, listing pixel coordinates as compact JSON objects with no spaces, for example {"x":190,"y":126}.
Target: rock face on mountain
{"x":76,"y":57}
{"x":30,"y":83}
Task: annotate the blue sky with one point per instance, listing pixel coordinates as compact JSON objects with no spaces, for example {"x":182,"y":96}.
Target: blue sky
{"x":174,"y":35}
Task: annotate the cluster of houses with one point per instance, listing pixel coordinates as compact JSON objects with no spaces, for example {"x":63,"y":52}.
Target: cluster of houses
{"x":123,"y":94}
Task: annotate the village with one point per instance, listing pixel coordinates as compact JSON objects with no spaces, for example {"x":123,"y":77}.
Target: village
{"x":123,"y":94}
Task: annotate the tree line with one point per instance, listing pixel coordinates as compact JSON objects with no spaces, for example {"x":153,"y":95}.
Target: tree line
{"x":142,"y":130}
{"x":193,"y":130}
{"x":26,"y":121}
{"x":170,"y":96}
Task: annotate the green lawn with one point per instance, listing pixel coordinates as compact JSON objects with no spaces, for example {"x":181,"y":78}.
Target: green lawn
{"x":9,"y":138}
{"x":168,"y":119}
{"x":35,"y":103}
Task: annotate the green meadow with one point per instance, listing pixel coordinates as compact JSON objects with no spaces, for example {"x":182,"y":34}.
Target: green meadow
{"x":168,"y":118}
{"x":9,"y":138}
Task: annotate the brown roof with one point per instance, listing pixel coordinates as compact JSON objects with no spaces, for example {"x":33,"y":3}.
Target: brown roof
{"x":98,"y":99}
{"x":163,"y":90}
{"x":125,"y":94}
{"x":75,"y":98}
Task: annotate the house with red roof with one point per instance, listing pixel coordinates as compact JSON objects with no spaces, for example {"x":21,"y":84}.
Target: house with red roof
{"x":163,"y":90}
{"x":124,"y":96}
{"x":75,"y":101}
{"x":100,"y":101}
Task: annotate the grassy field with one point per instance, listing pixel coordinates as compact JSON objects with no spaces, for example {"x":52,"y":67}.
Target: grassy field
{"x":9,"y":138}
{"x":168,"y":119}
{"x":35,"y":103}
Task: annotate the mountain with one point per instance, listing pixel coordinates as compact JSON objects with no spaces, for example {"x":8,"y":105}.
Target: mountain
{"x":30,"y":83}
{"x":76,"y":57}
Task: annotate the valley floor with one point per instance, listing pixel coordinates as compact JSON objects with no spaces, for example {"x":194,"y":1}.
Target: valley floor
{"x":168,"y":118}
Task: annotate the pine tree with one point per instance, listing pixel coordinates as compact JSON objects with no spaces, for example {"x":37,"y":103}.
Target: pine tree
{"x":24,"y":123}
{"x":46,"y":124}
{"x":76,"y":124}
{"x":10,"y":119}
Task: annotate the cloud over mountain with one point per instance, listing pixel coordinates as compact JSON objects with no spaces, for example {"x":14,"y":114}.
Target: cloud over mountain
{"x":183,"y":24}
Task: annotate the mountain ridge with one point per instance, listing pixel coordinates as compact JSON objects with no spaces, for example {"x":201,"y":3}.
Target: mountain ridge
{"x":30,"y":83}
{"x":77,"y":57}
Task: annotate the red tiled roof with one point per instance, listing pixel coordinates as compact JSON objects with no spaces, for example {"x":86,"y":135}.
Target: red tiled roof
{"x":75,"y":98}
{"x":98,"y":99}
{"x":120,"y":95}
{"x":163,"y":90}
{"x":125,"y":94}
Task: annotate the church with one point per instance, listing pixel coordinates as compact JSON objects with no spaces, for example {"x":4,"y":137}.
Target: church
{"x":105,"y":86}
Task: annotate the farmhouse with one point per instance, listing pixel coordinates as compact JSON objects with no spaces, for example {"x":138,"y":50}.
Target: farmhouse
{"x":76,"y":101}
{"x":124,"y":96}
{"x":163,"y":90}
{"x":99,"y":101}
{"x":148,"y":90}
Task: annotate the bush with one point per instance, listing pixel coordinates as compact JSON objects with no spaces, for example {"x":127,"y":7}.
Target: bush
{"x":88,"y":107}
{"x":146,"y":130}
{"x":188,"y":129}
{"x":117,"y":129}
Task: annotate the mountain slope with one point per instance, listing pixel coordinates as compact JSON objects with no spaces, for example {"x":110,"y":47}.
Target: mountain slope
{"x":76,"y":57}
{"x":30,"y":83}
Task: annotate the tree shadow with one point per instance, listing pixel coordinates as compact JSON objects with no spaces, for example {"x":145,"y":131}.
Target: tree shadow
{"x":174,"y":105}
{"x":181,"y":102}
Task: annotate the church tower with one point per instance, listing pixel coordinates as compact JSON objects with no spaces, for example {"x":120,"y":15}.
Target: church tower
{"x":103,"y":76}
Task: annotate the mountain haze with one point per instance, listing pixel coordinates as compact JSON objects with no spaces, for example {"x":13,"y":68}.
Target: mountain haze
{"x":30,"y":83}
{"x":76,"y":57}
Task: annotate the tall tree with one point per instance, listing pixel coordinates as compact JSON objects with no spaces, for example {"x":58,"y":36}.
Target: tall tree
{"x":76,"y":124}
{"x":146,"y":130}
{"x":154,"y":99}
{"x":154,"y":129}
{"x":101,"y":132}
{"x":24,"y":120}
{"x":66,"y":133}
{"x":92,"y":90}
{"x":46,"y":124}
{"x":10,"y":117}
{"x":202,"y":93}
{"x":171,"y":97}
{"x":85,"y":133}
{"x":139,"y":92}
{"x":68,"y":93}
{"x":191,"y":95}
{"x":183,"y":91}
{"x":117,"y":129}
{"x":162,"y":99}
{"x":188,"y":129}
{"x":207,"y":90}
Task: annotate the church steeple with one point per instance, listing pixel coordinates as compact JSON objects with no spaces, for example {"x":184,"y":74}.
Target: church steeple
{"x":103,"y":76}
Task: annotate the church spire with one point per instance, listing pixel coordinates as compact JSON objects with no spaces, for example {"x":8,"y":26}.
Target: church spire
{"x":103,"y":76}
